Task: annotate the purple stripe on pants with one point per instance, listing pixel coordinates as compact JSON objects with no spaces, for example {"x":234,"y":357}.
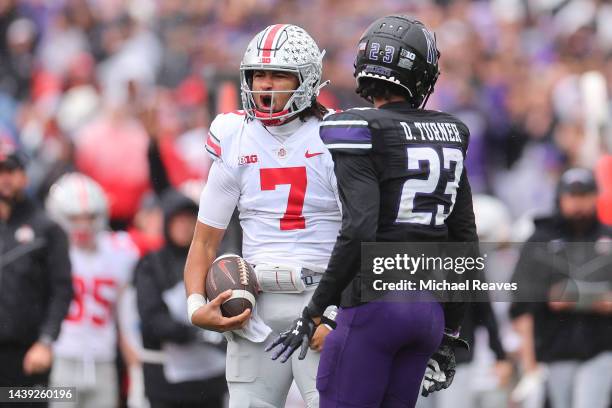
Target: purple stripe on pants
{"x":377,"y":355}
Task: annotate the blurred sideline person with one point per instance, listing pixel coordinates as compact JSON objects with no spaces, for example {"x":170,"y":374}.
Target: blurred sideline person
{"x":270,"y":162}
{"x":102,"y":267}
{"x":192,"y":371}
{"x":483,"y":376}
{"x":35,"y":285}
{"x":401,"y":178}
{"x":570,"y":334}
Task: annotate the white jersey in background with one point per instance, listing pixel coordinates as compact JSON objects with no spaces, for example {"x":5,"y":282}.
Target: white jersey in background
{"x":284,"y":187}
{"x":89,"y":330}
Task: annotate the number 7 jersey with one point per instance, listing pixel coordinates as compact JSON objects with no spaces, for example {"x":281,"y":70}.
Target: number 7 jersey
{"x":285,"y":190}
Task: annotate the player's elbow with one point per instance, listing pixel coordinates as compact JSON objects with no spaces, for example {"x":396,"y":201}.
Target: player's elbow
{"x":207,"y":238}
{"x":359,"y":233}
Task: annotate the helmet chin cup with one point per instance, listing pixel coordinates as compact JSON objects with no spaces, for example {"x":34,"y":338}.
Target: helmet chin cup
{"x":272,"y":118}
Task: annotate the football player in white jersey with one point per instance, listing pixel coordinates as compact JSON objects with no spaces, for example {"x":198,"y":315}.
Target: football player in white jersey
{"x":102,"y":265}
{"x":269,"y":162}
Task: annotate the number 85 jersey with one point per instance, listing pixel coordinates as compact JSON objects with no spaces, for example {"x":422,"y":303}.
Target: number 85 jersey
{"x":284,"y":188}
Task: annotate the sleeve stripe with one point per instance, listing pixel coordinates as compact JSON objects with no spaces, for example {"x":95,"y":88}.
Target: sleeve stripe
{"x":349,"y":146}
{"x":212,"y":145}
{"x":211,"y":151}
{"x":215,"y":138}
{"x":345,"y":123}
{"x":345,"y":135}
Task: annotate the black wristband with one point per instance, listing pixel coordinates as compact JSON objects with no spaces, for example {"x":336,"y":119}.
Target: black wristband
{"x":328,"y":322}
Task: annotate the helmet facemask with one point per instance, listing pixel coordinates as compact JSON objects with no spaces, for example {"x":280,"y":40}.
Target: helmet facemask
{"x":84,"y":228}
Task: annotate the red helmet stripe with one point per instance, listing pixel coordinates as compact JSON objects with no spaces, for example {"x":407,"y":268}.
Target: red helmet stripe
{"x":82,"y":192}
{"x":269,"y":39}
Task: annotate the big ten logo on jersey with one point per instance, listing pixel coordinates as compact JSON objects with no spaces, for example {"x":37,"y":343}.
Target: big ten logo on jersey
{"x":93,"y":300}
{"x":248,"y":159}
{"x":431,"y":131}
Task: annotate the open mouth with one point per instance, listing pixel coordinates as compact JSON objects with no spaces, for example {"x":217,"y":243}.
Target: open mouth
{"x":265,"y":102}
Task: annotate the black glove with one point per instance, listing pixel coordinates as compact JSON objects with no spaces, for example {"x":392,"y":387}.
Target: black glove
{"x":299,"y":334}
{"x":441,"y":366}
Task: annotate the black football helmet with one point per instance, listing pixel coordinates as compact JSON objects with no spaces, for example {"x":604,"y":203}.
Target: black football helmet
{"x":402,"y":51}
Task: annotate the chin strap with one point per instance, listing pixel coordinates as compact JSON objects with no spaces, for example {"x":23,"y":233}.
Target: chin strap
{"x":321,"y":86}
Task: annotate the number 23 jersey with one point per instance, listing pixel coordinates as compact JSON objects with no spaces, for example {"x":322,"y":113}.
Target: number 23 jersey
{"x":416,"y":157}
{"x":285,"y":190}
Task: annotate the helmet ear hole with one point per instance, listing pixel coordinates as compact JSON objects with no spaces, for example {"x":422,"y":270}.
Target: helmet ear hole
{"x":248,"y":75}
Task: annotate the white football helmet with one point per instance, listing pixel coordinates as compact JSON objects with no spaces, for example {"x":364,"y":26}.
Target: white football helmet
{"x":288,"y":48}
{"x":75,"y":194}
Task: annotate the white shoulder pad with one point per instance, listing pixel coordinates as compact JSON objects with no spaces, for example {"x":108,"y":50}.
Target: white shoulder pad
{"x":221,"y":132}
{"x":121,"y":242}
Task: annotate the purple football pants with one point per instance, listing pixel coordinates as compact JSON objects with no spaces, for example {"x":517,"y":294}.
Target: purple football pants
{"x":377,"y":355}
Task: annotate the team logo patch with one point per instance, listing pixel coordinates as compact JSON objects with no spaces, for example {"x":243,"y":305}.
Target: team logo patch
{"x":282,"y":153}
{"x":248,"y":159}
{"x":432,"y":53}
{"x":24,"y":234}
{"x":405,"y":63}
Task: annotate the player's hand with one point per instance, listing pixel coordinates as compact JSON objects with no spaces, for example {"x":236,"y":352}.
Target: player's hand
{"x":318,"y":339}
{"x":209,"y":316}
{"x":297,"y":336}
{"x":441,"y":366}
{"x":38,"y":359}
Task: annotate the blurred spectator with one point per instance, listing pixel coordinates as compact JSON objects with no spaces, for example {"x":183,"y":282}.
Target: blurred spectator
{"x":571,"y":331}
{"x":63,"y":41}
{"x":112,"y":150}
{"x":35,"y":285}
{"x":146,"y":229}
{"x":482,"y":380}
{"x":102,"y":266}
{"x":192,"y":374}
{"x":17,"y":64}
{"x":164,"y":163}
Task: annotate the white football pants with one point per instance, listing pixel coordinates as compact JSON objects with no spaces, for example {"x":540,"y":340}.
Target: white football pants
{"x":253,"y":379}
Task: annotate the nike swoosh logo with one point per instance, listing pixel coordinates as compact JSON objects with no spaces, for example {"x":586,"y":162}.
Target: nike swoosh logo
{"x":309,"y":155}
{"x":226,"y":271}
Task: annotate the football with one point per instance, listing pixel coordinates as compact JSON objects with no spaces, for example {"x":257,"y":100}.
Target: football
{"x":232,"y":272}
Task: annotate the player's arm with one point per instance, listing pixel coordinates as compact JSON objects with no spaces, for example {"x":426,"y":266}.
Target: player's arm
{"x":217,"y":204}
{"x":461,"y":222}
{"x":39,"y":356}
{"x":461,"y":225}
{"x":127,"y":346}
{"x":360,"y":198}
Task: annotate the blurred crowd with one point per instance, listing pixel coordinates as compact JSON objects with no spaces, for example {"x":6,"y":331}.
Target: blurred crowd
{"x":102,"y":86}
{"x":76,"y":76}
